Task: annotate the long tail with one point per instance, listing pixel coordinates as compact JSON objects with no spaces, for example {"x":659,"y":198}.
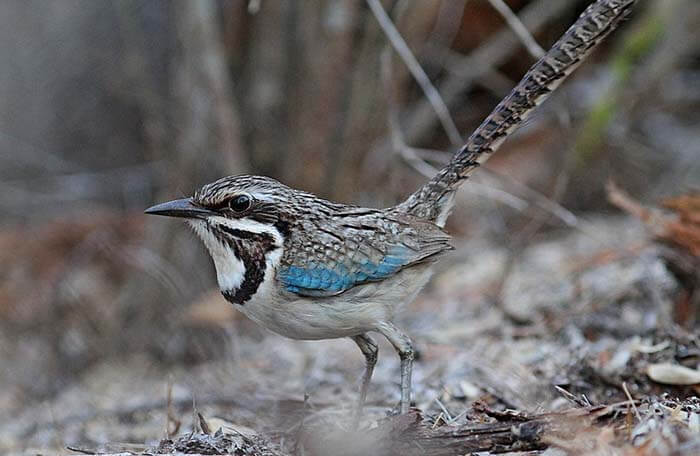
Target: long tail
{"x":434,"y":200}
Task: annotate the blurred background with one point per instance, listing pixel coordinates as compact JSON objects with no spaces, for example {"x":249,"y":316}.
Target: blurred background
{"x":111,"y":106}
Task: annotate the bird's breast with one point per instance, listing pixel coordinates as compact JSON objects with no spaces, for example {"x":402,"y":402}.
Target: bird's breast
{"x":353,"y":312}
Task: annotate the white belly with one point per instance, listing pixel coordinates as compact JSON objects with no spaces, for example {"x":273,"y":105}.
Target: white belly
{"x":353,"y":312}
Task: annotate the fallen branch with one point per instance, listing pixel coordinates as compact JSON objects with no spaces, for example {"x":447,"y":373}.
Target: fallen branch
{"x":411,"y":434}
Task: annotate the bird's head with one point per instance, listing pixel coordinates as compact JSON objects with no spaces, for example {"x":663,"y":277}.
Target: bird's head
{"x":243,"y":223}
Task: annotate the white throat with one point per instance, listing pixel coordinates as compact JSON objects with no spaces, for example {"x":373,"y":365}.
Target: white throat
{"x":231,"y":265}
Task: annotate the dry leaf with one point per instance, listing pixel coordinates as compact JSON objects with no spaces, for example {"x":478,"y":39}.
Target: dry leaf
{"x":680,"y":228}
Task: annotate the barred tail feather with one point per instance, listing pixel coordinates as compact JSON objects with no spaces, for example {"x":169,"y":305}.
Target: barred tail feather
{"x":434,"y":200}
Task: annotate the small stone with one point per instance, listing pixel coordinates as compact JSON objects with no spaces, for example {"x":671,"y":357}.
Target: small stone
{"x":673,"y":374}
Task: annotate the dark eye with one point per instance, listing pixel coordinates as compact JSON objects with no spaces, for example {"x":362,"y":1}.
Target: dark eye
{"x":240,"y":203}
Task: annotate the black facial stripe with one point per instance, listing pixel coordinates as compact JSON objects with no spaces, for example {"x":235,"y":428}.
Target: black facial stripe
{"x":250,"y":248}
{"x":263,"y":238}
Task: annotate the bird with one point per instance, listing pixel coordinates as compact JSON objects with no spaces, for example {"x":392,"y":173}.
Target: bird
{"x":310,"y":269}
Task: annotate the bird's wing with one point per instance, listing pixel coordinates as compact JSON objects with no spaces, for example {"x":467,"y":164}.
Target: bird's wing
{"x":351,"y":251}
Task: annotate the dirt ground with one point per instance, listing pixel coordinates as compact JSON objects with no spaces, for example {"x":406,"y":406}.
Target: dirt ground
{"x":556,"y":357}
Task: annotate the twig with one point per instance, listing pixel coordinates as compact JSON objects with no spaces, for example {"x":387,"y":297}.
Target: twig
{"x":408,"y":434}
{"x":418,"y":159}
{"x":518,"y":28}
{"x":196,"y":424}
{"x":202,"y":423}
{"x":444,"y":409}
{"x":466,"y":69}
{"x":398,"y":143}
{"x":413,"y":156}
{"x":409,"y":154}
{"x":416,"y":70}
{"x":170,"y":413}
{"x":447,"y":24}
{"x":80,"y":450}
{"x":520,"y":195}
{"x":540,"y":200}
{"x":569,"y":397}
{"x":631,"y":401}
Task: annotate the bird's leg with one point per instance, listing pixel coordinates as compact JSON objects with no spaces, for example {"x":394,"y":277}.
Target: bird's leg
{"x":403,"y":346}
{"x":369,"y":348}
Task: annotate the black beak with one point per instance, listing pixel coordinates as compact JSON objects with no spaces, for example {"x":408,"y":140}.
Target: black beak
{"x":179,"y":208}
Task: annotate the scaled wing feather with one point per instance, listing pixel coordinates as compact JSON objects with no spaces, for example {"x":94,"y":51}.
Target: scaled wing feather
{"x":368,"y":251}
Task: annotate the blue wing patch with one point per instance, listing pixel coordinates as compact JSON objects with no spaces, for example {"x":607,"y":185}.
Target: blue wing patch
{"x":317,"y":277}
